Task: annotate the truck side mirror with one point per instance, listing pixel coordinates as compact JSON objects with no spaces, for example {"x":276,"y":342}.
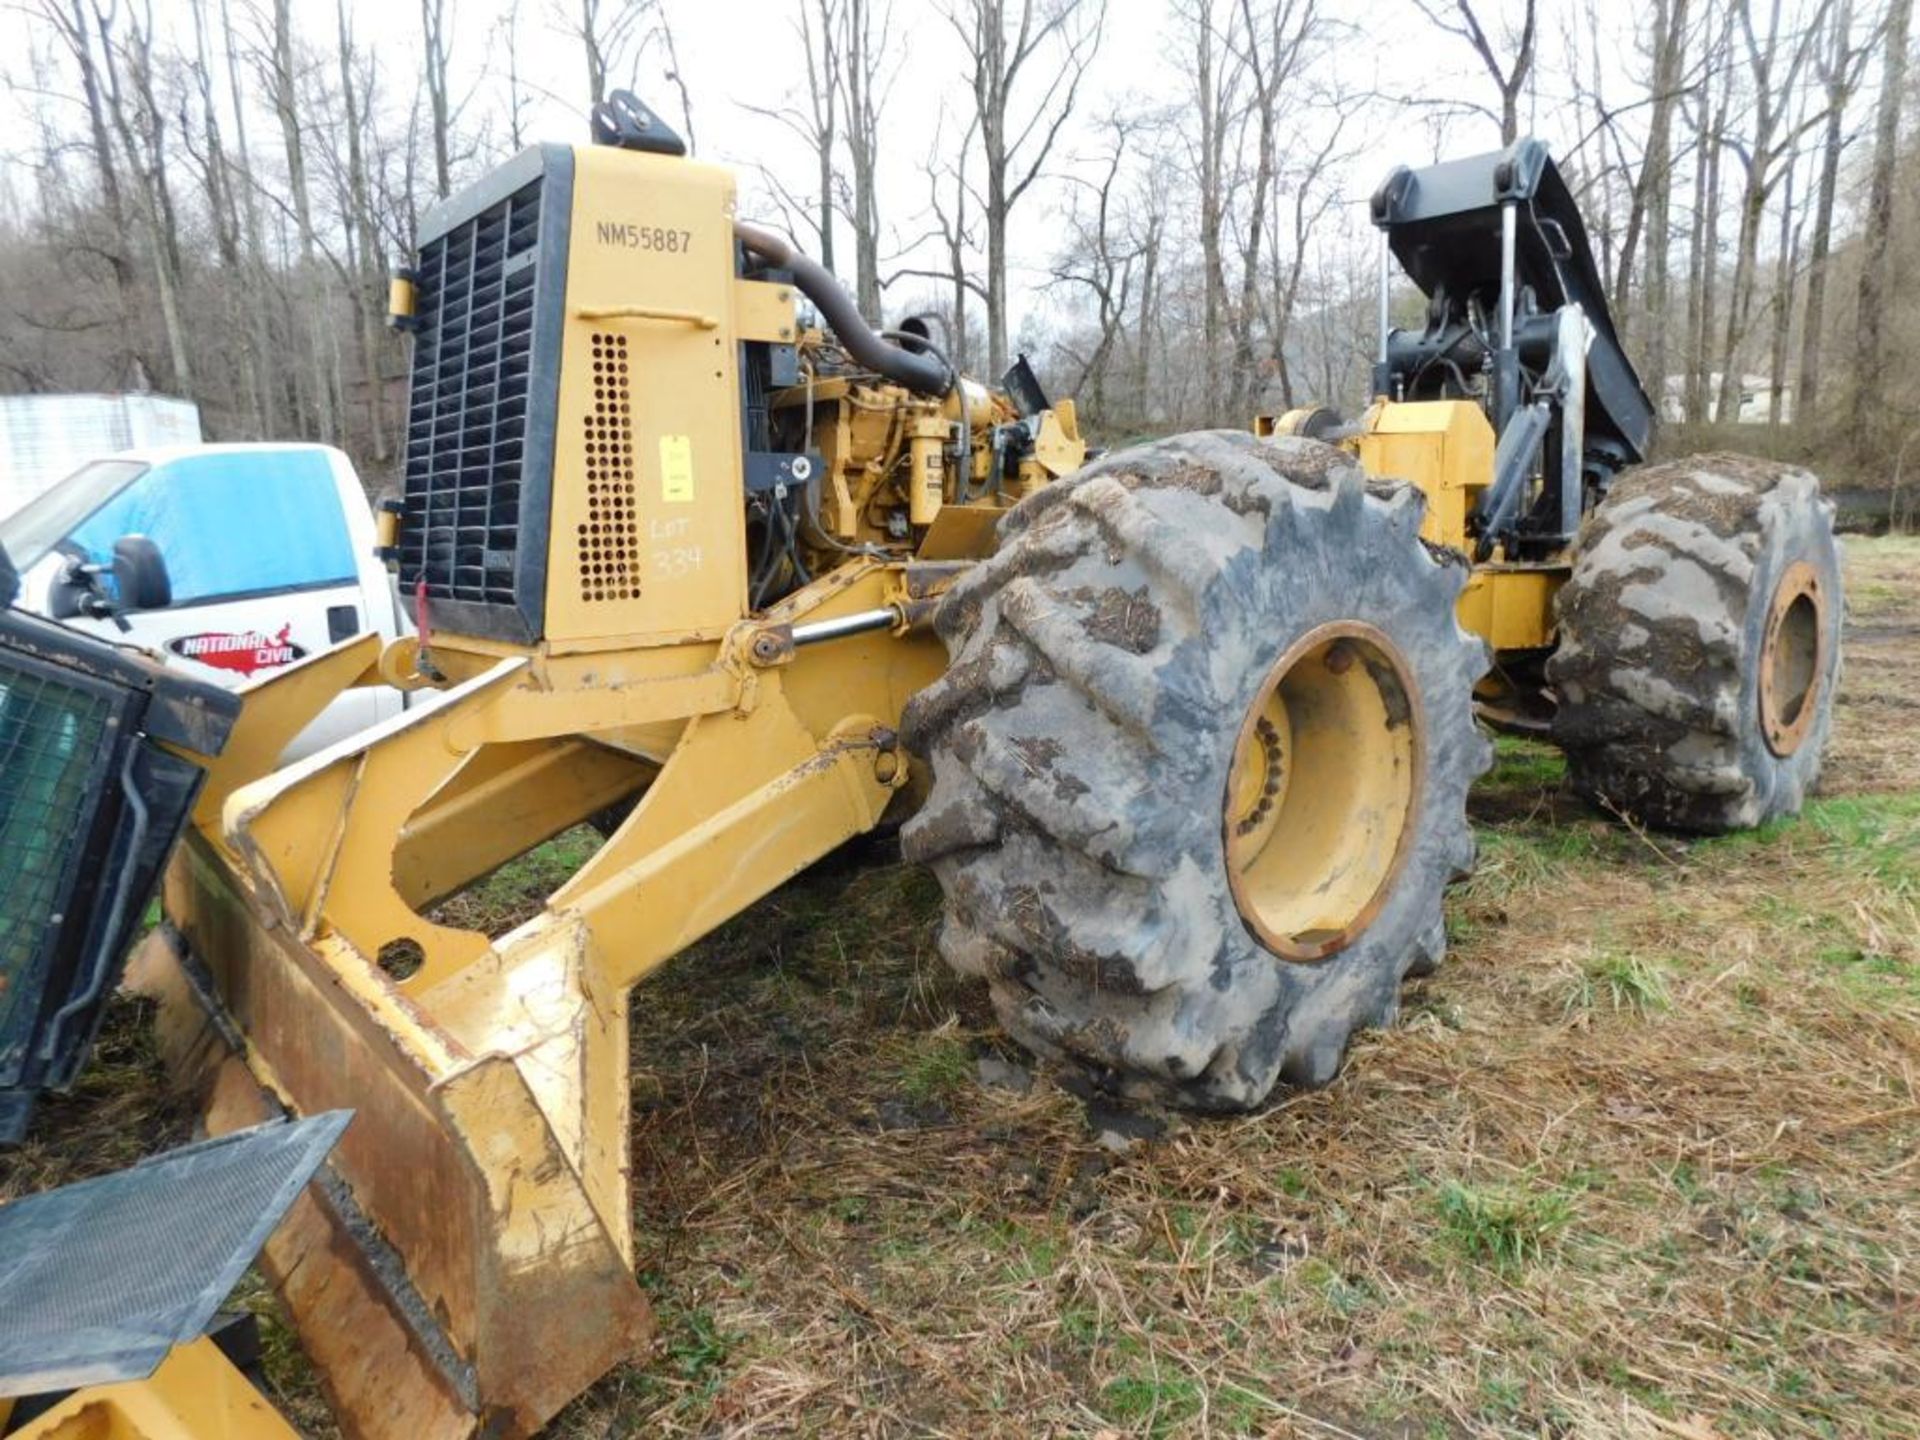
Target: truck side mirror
{"x":75,"y":590}
{"x":140,"y":582}
{"x":140,"y":574}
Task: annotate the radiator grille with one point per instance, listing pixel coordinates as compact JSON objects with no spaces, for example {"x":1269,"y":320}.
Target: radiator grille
{"x":53,"y":744}
{"x":610,"y":536}
{"x":468,"y":411}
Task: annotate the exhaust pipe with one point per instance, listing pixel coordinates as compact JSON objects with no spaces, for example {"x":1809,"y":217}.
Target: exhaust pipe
{"x":924,"y":373}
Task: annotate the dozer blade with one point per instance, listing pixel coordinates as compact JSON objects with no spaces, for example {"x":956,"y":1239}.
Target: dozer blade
{"x":449,"y":1277}
{"x":465,"y":1265}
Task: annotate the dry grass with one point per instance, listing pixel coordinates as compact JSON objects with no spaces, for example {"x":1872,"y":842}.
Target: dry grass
{"x":1543,"y":1204}
{"x":1877,"y":730}
{"x":1643,"y":1159}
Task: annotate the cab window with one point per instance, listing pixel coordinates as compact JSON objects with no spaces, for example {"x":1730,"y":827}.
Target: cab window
{"x":232,"y":524}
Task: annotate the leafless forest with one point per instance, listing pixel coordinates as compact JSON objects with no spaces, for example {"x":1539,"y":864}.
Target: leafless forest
{"x":204,"y":196}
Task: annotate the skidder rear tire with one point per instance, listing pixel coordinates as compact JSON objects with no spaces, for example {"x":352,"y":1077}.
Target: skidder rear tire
{"x":1700,"y":644}
{"x":1200,"y":764}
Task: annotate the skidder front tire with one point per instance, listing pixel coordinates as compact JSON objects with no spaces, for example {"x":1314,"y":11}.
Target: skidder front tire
{"x":1700,"y":644}
{"x":1200,"y":764}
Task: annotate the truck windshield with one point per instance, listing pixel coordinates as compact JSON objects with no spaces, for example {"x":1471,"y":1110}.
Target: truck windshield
{"x":36,"y":527}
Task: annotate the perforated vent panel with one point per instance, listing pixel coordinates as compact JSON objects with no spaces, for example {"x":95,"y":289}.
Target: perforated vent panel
{"x":610,"y":535}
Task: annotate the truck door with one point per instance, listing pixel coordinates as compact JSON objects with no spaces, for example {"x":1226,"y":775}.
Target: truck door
{"x":261,"y":563}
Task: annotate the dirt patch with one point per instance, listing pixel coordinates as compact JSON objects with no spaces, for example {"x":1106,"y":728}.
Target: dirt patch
{"x":1126,"y":618}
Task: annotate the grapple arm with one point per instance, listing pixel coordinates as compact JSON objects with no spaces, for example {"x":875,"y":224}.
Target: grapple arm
{"x":1497,"y":245}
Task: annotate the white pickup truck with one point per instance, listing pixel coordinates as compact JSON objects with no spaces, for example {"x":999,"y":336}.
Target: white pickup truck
{"x":230,"y":561}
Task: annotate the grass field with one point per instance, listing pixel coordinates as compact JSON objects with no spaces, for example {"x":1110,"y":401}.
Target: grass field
{"x":1642,"y":1159}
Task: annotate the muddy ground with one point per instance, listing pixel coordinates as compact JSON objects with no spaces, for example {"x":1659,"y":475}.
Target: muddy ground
{"x":1643,"y":1159}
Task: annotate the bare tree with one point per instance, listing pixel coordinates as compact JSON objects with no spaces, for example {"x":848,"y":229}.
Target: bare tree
{"x":1004,"y":40}
{"x":1150,"y":236}
{"x":223,"y":215}
{"x":1654,"y":190}
{"x":283,"y":92}
{"x":1215,"y":99}
{"x":1313,"y":200}
{"x":1206,"y":258}
{"x":507,"y":33}
{"x":1839,"y":69}
{"x":865,"y":31}
{"x":1869,"y":360}
{"x":1786,"y":276}
{"x":1597,"y":182}
{"x":364,"y":271}
{"x":1099,"y":259}
{"x":76,"y":31}
{"x":259,"y":321}
{"x":1709,"y":120}
{"x":1766,"y":155}
{"x":823,"y":107}
{"x":1649,"y":200}
{"x":140,"y":123}
{"x":613,"y":34}
{"x":661,"y":34}
{"x":437,"y":54}
{"x":948,"y":193}
{"x":817,"y":122}
{"x":1509,"y":76}
{"x":1276,"y":45}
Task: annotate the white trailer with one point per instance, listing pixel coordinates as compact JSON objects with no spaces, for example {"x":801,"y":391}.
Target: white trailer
{"x":44,"y":438}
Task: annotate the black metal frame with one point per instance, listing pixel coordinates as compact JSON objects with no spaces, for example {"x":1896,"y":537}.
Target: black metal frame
{"x":1498,"y":246}
{"x":140,"y":782}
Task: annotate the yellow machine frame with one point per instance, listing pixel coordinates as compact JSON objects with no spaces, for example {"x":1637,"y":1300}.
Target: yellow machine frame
{"x":196,"y":1394}
{"x":491,"y":1081}
{"x":490,"y":1075}
{"x":1445,"y":449}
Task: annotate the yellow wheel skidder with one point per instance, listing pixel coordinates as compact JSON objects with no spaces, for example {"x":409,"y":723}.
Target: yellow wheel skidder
{"x":1193,"y":723}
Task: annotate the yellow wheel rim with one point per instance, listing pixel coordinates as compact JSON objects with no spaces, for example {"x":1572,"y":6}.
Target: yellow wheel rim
{"x":1324,"y":790}
{"x":1793,"y":659}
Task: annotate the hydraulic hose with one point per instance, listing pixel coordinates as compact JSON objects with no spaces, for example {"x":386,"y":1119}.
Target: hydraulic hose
{"x":918,"y":371}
